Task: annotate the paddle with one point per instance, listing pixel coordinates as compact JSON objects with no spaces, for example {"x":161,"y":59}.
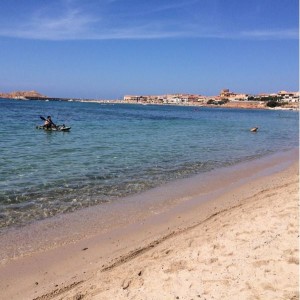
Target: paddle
{"x":43,"y":118}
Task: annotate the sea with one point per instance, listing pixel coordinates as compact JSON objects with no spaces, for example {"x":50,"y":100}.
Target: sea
{"x":117,"y":150}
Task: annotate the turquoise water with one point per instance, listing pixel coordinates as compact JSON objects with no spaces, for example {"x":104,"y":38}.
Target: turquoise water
{"x":118,"y":150}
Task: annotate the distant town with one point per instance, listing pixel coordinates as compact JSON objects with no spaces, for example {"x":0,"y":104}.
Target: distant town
{"x":226,"y":98}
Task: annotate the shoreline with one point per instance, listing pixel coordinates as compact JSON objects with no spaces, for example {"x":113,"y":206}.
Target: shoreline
{"x":57,"y":246}
{"x":248,"y":105}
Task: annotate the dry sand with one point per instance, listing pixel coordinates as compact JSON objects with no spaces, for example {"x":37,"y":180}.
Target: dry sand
{"x":243,"y":244}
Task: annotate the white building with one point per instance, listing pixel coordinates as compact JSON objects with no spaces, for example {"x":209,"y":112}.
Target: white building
{"x":289,"y":96}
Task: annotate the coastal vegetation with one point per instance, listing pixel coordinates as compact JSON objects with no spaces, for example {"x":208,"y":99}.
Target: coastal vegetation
{"x":274,"y":103}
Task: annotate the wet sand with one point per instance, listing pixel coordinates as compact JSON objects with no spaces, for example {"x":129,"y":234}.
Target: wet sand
{"x":228,"y":234}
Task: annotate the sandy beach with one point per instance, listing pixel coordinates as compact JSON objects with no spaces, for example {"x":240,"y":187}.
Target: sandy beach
{"x":231,"y":235}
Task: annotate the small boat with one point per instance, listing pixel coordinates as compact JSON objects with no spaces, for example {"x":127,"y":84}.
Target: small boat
{"x":254,"y":129}
{"x":57,"y":128}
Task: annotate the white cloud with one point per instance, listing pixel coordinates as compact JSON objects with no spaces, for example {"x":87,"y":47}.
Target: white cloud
{"x":71,"y":22}
{"x":272,"y":34}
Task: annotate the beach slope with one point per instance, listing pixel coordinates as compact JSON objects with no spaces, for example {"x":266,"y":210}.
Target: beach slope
{"x":246,"y":252}
{"x":249,"y":251}
{"x":246,"y":247}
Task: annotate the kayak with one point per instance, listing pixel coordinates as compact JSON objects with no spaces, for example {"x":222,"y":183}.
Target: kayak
{"x":57,"y":128}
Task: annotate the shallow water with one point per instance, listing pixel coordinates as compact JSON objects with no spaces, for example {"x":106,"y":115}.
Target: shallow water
{"x":116,"y":150}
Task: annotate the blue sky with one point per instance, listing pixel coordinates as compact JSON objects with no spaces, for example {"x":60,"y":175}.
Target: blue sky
{"x":109,"y":48}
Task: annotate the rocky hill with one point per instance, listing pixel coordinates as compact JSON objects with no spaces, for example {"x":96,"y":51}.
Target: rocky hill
{"x":21,"y":94}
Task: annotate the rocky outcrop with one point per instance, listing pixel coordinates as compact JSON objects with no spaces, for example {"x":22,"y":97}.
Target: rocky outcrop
{"x":245,"y":104}
{"x":21,"y":94}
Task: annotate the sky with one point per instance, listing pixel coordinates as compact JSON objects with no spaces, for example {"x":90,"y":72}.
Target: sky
{"x":106,"y":49}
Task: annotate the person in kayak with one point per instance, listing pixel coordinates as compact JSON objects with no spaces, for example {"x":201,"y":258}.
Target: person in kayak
{"x":49,"y":123}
